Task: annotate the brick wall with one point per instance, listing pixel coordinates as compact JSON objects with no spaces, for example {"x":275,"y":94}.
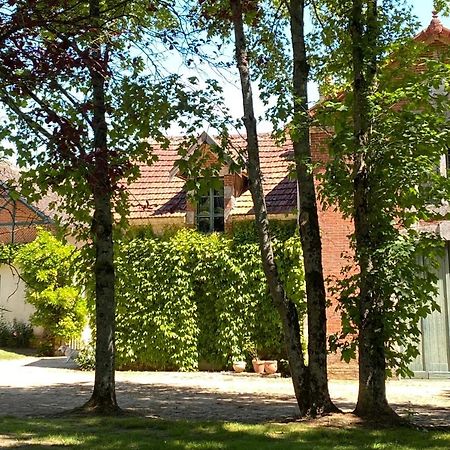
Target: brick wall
{"x":335,"y":231}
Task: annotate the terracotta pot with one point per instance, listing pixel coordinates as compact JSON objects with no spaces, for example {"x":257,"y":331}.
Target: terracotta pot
{"x":258,"y":366}
{"x":239,"y":366}
{"x":270,"y":366}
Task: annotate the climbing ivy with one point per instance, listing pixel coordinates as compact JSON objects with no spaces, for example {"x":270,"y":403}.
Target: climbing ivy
{"x":194,"y":297}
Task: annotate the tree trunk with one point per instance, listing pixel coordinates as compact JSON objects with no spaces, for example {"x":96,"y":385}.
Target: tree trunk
{"x":372,"y":400}
{"x":286,"y":308}
{"x":103,"y":399}
{"x":308,"y":221}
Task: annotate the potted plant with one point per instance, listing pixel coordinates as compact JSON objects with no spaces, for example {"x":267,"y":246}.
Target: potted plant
{"x":258,"y":364}
{"x":270,"y":366}
{"x":239,"y":366}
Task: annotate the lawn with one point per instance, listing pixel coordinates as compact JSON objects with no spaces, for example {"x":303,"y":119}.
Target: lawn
{"x":140,"y":433}
{"x":10,"y":354}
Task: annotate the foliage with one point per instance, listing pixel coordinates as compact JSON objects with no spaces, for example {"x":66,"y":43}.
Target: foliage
{"x":194,"y":297}
{"x":245,"y":231}
{"x":7,"y":252}
{"x":47,"y":92}
{"x":49,"y":269}
{"x":405,"y":275}
{"x":86,"y":358}
{"x":329,"y":42}
{"x":401,"y":154}
{"x":136,"y":432}
{"x":442,"y":6}
{"x":16,"y":334}
{"x":86,"y":95}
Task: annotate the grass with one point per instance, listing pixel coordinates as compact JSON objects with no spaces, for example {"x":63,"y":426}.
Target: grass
{"x":10,"y":354}
{"x":141,"y":433}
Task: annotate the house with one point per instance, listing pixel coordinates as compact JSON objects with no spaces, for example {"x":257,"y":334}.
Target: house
{"x":18,"y":224}
{"x":158,"y":198}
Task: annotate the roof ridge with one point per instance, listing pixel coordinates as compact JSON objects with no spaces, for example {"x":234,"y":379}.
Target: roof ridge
{"x":435,"y":29}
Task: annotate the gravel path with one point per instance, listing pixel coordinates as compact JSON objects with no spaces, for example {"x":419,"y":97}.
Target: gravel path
{"x":41,"y":386}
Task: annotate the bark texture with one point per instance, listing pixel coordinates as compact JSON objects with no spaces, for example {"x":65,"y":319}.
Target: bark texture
{"x":372,"y":400}
{"x":308,"y":220}
{"x":286,"y":308}
{"x":103,"y":399}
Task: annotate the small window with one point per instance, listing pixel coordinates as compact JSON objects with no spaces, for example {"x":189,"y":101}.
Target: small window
{"x":210,"y":211}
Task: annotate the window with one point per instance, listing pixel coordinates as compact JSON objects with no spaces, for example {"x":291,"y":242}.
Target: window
{"x":210,"y":210}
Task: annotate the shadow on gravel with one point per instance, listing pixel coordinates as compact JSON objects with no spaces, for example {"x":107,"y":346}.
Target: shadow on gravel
{"x":178,"y":403}
{"x":157,"y":401}
{"x":56,"y":362}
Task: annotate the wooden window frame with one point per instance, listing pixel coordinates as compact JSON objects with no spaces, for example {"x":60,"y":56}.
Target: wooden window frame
{"x":211,"y":215}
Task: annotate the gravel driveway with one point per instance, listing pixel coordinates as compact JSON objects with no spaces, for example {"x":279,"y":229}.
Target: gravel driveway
{"x":40,"y":386}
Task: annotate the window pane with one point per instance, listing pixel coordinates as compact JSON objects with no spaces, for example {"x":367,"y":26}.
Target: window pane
{"x":203,"y":205}
{"x":218,"y":205}
{"x":218,"y":224}
{"x":219,"y":192}
{"x":203,"y":224}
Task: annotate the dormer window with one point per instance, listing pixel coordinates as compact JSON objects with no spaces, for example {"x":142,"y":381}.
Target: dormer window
{"x":210,"y":211}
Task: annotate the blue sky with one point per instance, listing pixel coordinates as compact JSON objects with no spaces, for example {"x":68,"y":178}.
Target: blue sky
{"x":422,"y":9}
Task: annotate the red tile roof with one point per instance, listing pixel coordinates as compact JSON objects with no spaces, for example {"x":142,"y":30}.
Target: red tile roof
{"x":434,"y":32}
{"x":42,"y":207}
{"x":157,"y":194}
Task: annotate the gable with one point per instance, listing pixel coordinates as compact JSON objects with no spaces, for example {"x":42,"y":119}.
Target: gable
{"x":159,"y":192}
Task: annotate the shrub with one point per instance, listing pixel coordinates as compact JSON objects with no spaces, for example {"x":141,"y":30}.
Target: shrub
{"x":86,"y":358}
{"x":49,"y":269}
{"x":16,"y":334}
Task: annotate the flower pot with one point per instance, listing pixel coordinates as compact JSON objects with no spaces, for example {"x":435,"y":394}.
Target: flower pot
{"x":239,"y":366}
{"x":270,"y":367}
{"x":258,"y":366}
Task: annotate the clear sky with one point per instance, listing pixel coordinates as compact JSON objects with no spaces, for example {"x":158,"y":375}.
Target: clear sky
{"x":420,"y":8}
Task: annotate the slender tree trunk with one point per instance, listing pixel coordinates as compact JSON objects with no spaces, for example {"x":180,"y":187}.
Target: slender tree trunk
{"x":309,"y":221}
{"x":372,"y":400}
{"x":286,"y":308}
{"x":103,"y":399}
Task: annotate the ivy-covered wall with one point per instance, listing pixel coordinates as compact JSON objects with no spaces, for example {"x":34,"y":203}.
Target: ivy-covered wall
{"x":190,"y":298}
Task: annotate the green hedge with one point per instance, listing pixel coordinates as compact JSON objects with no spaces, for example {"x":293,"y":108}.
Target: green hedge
{"x":192,"y":297}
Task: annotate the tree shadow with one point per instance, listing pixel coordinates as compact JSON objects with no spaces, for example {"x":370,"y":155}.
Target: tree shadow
{"x":54,"y":362}
{"x":20,"y":351}
{"x":120,"y":433}
{"x":170,"y":402}
{"x":151,"y":400}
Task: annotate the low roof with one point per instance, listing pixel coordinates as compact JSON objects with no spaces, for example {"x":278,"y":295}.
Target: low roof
{"x":158,"y":194}
{"x":9,"y":174}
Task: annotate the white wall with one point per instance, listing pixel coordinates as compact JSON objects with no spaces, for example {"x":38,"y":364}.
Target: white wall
{"x":12,"y":295}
